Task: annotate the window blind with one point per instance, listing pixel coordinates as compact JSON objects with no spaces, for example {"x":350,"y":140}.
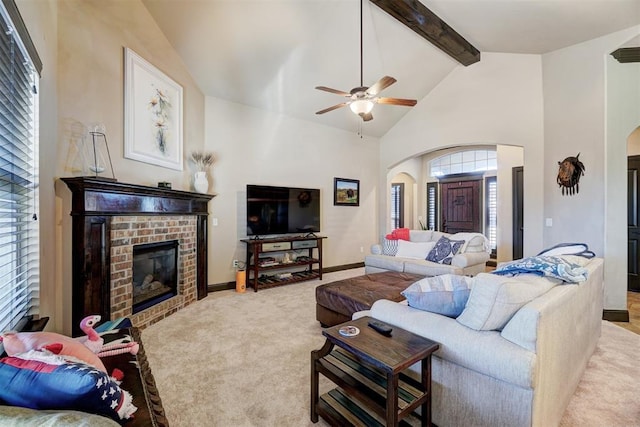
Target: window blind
{"x":397,"y":201}
{"x":491,"y":216}
{"x":19,"y":234}
{"x":432,"y":205}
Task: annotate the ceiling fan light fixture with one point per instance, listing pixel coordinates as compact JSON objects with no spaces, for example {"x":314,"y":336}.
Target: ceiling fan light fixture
{"x":361,"y":106}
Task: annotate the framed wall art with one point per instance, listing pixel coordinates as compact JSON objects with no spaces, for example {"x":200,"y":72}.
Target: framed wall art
{"x":346,"y":192}
{"x":152,"y":114}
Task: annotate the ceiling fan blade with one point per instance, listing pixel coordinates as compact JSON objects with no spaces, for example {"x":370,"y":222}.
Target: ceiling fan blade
{"x":336,"y":91}
{"x":335,"y":107}
{"x":380,"y":85}
{"x":366,"y":116}
{"x":398,"y":101}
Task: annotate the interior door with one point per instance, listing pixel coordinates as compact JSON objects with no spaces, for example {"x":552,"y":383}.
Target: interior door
{"x":518,"y":211}
{"x":633,"y":253}
{"x":461,"y":206}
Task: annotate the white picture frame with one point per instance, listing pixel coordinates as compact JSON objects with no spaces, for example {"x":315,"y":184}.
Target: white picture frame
{"x":152,"y":114}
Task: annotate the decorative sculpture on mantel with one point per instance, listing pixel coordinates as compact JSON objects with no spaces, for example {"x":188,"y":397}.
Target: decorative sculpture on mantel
{"x":97,"y":153}
{"x":569,"y":173}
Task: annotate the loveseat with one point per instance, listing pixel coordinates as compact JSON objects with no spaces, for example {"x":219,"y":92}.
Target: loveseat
{"x":520,"y":370}
{"x":409,"y":256}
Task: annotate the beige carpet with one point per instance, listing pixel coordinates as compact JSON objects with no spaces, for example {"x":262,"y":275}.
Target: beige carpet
{"x":244,"y":360}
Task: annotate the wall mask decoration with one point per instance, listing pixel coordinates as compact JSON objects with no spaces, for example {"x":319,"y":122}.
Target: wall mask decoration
{"x":569,"y":173}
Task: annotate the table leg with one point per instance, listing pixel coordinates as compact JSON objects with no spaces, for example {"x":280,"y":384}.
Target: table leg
{"x":426,"y":386}
{"x":392,"y":399}
{"x":315,"y":398}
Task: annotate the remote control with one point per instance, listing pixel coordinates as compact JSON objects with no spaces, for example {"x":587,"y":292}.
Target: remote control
{"x":380,"y":327}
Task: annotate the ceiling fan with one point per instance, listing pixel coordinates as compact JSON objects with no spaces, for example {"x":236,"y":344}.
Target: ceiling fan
{"x":363,"y":98}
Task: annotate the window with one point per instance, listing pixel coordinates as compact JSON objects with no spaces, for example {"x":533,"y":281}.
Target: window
{"x":464,"y":162}
{"x":491,"y":215}
{"x":19,"y":241}
{"x":397,"y":203}
{"x":432,"y":206}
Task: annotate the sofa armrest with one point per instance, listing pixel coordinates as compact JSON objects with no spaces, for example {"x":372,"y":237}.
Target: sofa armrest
{"x":376,"y":249}
{"x":468,"y":259}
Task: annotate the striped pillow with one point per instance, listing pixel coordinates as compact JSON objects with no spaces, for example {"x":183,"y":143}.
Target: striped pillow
{"x":389,"y":247}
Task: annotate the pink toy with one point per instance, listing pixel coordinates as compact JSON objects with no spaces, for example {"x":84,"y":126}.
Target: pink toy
{"x":92,"y":340}
{"x":21,"y":342}
{"x":95,"y":342}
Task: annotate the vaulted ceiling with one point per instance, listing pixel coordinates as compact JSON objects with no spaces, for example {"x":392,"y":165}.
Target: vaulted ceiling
{"x":270,"y":54}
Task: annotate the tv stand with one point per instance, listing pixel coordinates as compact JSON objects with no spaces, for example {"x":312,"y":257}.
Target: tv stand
{"x":267,"y":265}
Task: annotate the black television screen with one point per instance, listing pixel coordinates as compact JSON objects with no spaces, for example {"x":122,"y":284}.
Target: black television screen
{"x":282,"y":210}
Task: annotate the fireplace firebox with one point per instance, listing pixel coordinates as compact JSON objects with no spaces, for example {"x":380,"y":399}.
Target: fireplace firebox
{"x":155,"y":273}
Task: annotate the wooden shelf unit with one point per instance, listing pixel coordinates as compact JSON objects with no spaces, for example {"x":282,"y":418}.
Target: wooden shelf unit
{"x":257,"y":276}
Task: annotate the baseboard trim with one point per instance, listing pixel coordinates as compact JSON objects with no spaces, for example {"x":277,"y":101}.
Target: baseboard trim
{"x":224,"y":286}
{"x":615,"y":315}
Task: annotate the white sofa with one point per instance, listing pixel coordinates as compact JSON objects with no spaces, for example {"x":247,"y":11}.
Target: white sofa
{"x":471,"y":260}
{"x":522,"y":375}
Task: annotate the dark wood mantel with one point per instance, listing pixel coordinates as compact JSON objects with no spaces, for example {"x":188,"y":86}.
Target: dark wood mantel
{"x":93,"y":203}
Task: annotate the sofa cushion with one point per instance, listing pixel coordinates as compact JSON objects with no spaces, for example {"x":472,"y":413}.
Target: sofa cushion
{"x":446,"y":294}
{"x":428,"y":268}
{"x":495,"y":299}
{"x":485,"y":352}
{"x":389,"y":247}
{"x":39,"y":379}
{"x":414,"y":250}
{"x":16,"y":416}
{"x":444,"y":250}
{"x":421,"y":236}
{"x":385,"y":262}
{"x":473,"y":242}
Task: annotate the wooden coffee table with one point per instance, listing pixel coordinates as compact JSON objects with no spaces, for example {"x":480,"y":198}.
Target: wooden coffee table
{"x":369,"y":370}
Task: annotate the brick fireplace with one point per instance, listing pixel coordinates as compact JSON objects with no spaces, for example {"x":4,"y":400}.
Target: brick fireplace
{"x":110,"y":220}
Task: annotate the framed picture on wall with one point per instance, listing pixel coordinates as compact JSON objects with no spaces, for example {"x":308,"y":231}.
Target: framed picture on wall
{"x":346,"y":192}
{"x":152,"y":114}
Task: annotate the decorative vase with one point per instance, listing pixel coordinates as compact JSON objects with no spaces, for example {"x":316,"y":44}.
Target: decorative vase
{"x":200,"y":182}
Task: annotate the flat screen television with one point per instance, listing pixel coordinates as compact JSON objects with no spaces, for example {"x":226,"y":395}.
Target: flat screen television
{"x":282,"y":210}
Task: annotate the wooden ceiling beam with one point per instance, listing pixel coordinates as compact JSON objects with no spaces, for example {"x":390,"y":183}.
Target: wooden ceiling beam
{"x":627,"y":54}
{"x":427,"y":24}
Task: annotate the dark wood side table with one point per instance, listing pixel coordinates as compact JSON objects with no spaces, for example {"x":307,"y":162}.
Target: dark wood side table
{"x":369,"y":370}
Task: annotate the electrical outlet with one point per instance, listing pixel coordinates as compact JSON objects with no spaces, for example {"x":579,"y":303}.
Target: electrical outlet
{"x":361,"y":249}
{"x":235,"y":263}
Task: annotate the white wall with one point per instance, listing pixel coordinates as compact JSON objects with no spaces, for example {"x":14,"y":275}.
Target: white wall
{"x":495,"y":101}
{"x":253,"y":146}
{"x":579,"y":118}
{"x":622,"y":119}
{"x":508,"y":158}
{"x":41,"y":21}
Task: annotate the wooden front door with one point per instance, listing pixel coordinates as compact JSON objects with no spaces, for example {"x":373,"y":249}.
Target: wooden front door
{"x":633,"y":221}
{"x":461,"y":206}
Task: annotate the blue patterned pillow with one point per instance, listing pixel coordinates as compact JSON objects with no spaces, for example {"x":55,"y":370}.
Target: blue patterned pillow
{"x":389,"y":247}
{"x":444,"y":250}
{"x":549,"y":266}
{"x":446,"y":294}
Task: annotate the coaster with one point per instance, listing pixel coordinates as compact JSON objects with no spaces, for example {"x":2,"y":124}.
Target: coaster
{"x":349,"y":331}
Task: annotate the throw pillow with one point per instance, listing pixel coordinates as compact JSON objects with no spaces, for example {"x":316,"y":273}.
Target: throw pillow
{"x":444,"y":250}
{"x":446,"y":294}
{"x":495,"y":299}
{"x":415,"y":250}
{"x":39,"y":379}
{"x":389,"y":247}
{"x":550,"y":266}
